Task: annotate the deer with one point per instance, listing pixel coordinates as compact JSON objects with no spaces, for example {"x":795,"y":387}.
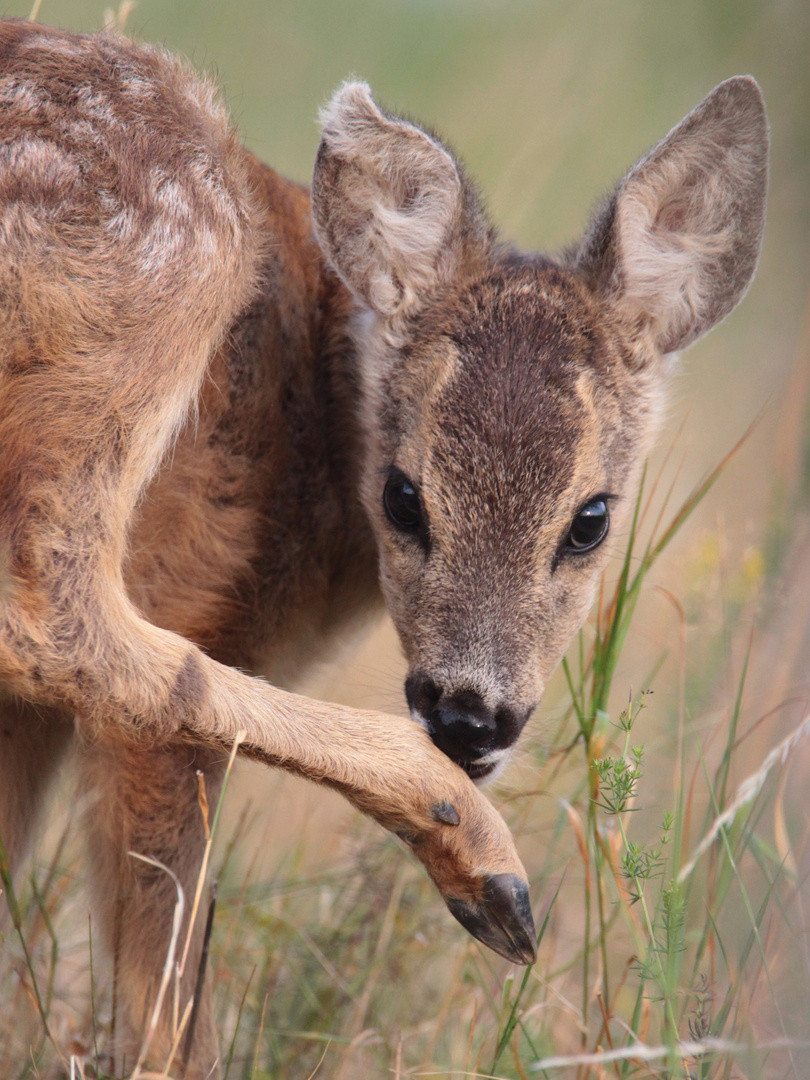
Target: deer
{"x":238,"y":415}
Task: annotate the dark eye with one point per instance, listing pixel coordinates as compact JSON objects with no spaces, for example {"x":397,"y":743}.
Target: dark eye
{"x":590,"y":526}
{"x":401,"y":502}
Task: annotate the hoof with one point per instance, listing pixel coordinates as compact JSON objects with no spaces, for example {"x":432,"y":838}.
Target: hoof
{"x":501,"y":919}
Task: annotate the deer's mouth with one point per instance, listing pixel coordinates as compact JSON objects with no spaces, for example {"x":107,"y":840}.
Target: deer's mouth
{"x":481,"y":765}
{"x":482,"y":770}
{"x":478,"y":771}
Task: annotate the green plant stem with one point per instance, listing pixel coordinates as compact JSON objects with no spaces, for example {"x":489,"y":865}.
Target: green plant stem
{"x":514,"y":1017}
{"x":46,"y":917}
{"x":598,"y":861}
{"x":16,"y":919}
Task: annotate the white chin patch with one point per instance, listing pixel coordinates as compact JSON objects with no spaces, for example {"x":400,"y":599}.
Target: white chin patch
{"x":495,"y":762}
{"x":418,"y":719}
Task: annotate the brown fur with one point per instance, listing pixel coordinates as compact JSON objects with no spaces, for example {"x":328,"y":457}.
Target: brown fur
{"x":197,"y":419}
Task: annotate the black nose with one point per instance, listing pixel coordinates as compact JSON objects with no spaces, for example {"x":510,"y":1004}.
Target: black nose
{"x":462,"y":726}
{"x":459,"y":722}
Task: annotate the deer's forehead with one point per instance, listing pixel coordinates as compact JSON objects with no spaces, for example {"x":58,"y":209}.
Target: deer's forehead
{"x":524,"y":384}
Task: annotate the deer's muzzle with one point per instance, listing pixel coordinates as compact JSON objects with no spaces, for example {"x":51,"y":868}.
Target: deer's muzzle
{"x":463,"y":726}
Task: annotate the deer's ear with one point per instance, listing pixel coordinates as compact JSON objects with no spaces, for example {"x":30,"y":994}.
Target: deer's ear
{"x":391,"y":209}
{"x":676,"y":246}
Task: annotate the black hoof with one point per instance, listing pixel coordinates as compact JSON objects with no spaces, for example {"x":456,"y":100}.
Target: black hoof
{"x":502,"y":918}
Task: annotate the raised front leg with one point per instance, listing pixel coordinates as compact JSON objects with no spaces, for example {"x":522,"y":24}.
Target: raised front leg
{"x":153,"y":687}
{"x":148,"y":688}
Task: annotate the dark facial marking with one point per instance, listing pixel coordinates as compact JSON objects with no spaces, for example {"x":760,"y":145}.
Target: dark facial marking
{"x":521,"y":353}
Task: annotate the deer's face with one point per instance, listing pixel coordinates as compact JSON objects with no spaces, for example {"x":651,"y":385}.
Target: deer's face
{"x":510,"y":402}
{"x":505,"y":440}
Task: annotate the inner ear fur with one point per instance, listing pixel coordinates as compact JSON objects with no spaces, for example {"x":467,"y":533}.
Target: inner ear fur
{"x":676,"y":246}
{"x":391,"y":208}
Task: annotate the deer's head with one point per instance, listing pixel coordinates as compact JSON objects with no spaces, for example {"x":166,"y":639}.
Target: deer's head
{"x":509,"y":401}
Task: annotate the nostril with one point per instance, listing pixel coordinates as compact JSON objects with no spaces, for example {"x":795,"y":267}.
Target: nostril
{"x":510,"y":724}
{"x":421,"y":693}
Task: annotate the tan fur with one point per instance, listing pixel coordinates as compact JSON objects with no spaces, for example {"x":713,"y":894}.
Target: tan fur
{"x":199,"y":416}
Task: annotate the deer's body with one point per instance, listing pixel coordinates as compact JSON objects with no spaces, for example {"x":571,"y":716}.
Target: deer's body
{"x":213,"y":447}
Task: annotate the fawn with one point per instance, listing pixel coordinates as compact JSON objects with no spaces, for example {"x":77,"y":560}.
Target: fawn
{"x":233,"y":416}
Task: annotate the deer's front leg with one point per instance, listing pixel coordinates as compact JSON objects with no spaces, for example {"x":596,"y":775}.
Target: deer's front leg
{"x":127,"y":675}
{"x":144,"y":801}
{"x":390,"y":770}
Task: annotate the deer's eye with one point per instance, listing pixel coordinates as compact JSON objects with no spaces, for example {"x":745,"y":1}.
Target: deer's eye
{"x":589,"y":527}
{"x":401,"y":502}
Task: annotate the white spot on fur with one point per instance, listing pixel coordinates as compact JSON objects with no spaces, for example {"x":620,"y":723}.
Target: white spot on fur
{"x":96,"y":105}
{"x":53,"y":46}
